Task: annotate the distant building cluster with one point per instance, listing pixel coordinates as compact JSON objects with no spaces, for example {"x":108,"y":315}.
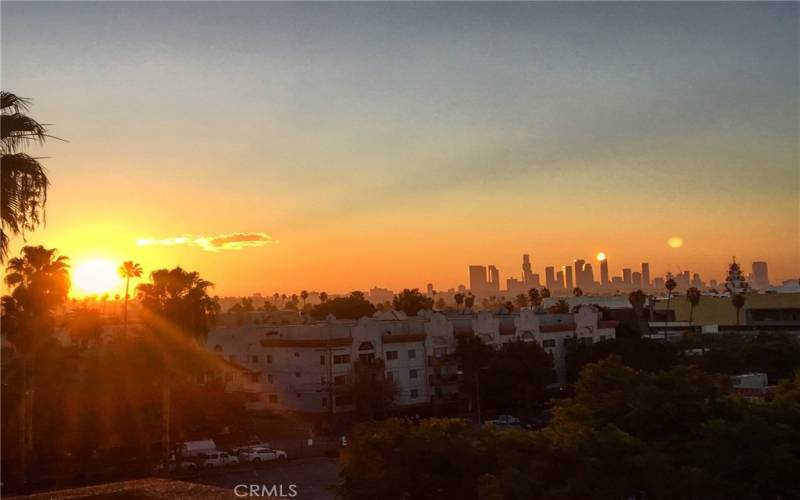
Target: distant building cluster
{"x":485,"y":280}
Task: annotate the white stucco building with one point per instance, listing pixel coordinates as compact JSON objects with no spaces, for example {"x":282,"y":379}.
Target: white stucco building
{"x":295,"y":363}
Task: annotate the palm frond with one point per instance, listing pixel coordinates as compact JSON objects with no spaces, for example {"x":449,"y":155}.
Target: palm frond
{"x":17,"y":130}
{"x":23,"y":192}
{"x":13,"y":102}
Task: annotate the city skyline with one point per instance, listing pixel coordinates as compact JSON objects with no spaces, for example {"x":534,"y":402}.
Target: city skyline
{"x":342,"y":146}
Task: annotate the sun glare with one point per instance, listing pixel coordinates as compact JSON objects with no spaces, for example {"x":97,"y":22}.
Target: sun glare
{"x":95,"y":277}
{"x":675,"y":242}
{"x":601,"y":256}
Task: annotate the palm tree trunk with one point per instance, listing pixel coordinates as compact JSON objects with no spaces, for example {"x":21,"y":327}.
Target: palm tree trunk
{"x":165,"y":422}
{"x":666,"y":319}
{"x":125,"y":311}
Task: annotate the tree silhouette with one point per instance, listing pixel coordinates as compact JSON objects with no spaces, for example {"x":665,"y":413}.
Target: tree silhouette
{"x":323,"y":297}
{"x":693,"y":296}
{"x":638,"y":299}
{"x":304,"y":296}
{"x":459,"y":298}
{"x":521,"y":300}
{"x":535,"y":298}
{"x":545,"y":293}
{"x":23,"y":181}
{"x":411,"y":302}
{"x":738,"y":301}
{"x":469,"y":301}
{"x":39,"y":283}
{"x":128,"y":270}
{"x":670,"y":285}
{"x":577,"y":292}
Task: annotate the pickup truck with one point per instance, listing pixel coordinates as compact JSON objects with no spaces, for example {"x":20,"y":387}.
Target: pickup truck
{"x":504,"y":421}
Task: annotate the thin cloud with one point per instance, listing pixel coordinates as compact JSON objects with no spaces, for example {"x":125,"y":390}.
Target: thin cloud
{"x":232,"y":241}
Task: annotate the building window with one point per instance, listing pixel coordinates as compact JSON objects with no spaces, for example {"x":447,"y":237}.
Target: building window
{"x":299,"y":395}
{"x":254,"y":359}
{"x":273,"y":399}
{"x":412,"y":354}
{"x":322,"y":380}
{"x":296,"y":354}
{"x":322,"y":359}
{"x":324,"y":402}
{"x":414,"y":394}
{"x":366,"y":357}
{"x":297,"y":374}
{"x":412,"y":374}
{"x":549,"y":343}
{"x":269,"y":359}
{"x":254,"y":377}
{"x":390,"y":376}
{"x":340,"y":380}
{"x":269,"y":379}
{"x":391,"y":355}
{"x":440,"y":352}
{"x":341,"y":359}
{"x":602,"y":338}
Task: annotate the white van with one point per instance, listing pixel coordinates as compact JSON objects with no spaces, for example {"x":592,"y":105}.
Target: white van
{"x":194,"y":448}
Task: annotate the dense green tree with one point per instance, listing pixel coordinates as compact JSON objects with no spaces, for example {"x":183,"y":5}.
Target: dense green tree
{"x":517,"y":376}
{"x":638,"y":353}
{"x":372,"y":393}
{"x":412,"y":302}
{"x":354,"y":306}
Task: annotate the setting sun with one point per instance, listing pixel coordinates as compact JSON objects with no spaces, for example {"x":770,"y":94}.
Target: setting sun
{"x":95,"y":277}
{"x":601,"y":256}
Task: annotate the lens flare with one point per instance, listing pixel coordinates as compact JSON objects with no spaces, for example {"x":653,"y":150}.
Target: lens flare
{"x":675,"y":242}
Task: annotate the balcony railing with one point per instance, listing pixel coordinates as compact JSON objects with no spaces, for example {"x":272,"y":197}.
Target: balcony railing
{"x":441,"y":359}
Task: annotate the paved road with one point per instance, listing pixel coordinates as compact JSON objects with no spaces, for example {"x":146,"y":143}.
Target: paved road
{"x":312,"y":477}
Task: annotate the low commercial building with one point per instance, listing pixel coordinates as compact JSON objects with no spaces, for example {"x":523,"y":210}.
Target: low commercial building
{"x":301,"y":367}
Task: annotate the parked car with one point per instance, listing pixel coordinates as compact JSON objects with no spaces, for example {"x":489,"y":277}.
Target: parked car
{"x":216,"y":459}
{"x":248,"y":445}
{"x":504,"y":421}
{"x":195,"y":448}
{"x":261,"y":455}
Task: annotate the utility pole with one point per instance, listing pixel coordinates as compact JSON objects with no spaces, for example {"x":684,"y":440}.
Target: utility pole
{"x":330,"y":382}
{"x":478,"y":395}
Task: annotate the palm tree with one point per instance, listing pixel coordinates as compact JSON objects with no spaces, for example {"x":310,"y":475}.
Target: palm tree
{"x":638,"y":299}
{"x":179,"y":311}
{"x":577,"y":291}
{"x":304,"y":296}
{"x":545,"y":293}
{"x":23,"y":182}
{"x":469,"y":301}
{"x":693,"y":296}
{"x":522,"y":300}
{"x":128,"y":270}
{"x":323,"y":297}
{"x":39,"y":283}
{"x":738,"y":302}
{"x":670,"y":285}
{"x":459,"y":298}
{"x":535,"y":298}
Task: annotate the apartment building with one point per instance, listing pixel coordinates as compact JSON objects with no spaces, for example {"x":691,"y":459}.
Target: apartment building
{"x":302,"y":367}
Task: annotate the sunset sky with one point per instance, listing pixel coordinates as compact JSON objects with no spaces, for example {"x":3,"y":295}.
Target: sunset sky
{"x":277,"y":147}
